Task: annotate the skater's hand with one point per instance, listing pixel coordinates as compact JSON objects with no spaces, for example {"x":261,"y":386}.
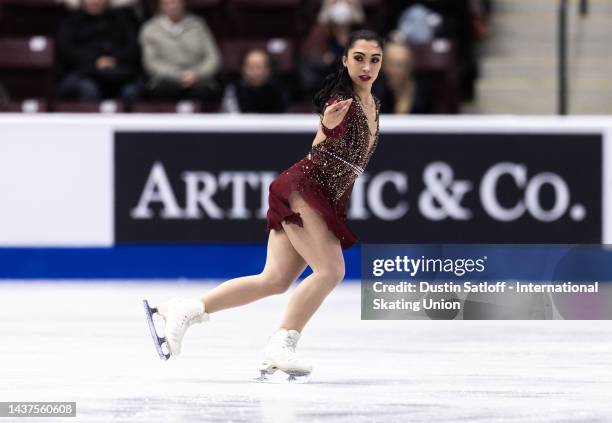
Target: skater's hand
{"x":334,"y":113}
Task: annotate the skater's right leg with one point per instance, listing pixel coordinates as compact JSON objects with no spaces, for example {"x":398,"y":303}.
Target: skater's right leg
{"x":283,"y":266}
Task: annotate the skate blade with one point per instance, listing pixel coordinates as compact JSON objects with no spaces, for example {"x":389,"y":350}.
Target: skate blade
{"x":159,"y":342}
{"x":280,"y":377}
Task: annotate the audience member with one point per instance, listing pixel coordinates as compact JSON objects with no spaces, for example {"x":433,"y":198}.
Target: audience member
{"x":98,"y":50}
{"x":179,"y":54}
{"x":399,"y":90}
{"x":132,"y":8}
{"x":324,"y":44}
{"x":459,"y":23}
{"x":417,"y":24}
{"x":256,"y":91}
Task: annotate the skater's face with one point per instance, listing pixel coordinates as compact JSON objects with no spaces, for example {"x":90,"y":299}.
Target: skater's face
{"x":363,"y":62}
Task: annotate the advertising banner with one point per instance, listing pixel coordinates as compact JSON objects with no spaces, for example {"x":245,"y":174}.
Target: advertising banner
{"x":204,"y":187}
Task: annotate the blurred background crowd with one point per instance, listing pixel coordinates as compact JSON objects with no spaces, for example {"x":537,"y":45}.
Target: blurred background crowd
{"x":249,"y":56}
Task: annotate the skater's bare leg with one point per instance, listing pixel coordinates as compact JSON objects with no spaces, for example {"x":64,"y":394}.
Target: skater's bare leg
{"x":282,"y":268}
{"x":323,"y":253}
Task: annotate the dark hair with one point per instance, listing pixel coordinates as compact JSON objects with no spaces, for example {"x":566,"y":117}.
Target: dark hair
{"x":340,"y":81}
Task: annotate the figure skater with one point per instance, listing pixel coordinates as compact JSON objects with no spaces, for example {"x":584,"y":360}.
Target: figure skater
{"x":306,"y":219}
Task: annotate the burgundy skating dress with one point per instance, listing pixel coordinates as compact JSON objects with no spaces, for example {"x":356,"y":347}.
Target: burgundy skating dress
{"x":325,"y":177}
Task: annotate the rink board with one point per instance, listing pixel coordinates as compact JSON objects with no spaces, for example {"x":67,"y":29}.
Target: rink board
{"x":67,"y":211}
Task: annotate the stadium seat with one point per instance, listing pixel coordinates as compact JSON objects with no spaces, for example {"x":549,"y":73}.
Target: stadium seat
{"x":106,"y":106}
{"x":375,"y":13}
{"x":181,"y":107}
{"x":265,"y":18}
{"x":30,"y":17}
{"x":216,"y":16}
{"x":27,"y":66}
{"x":437,"y":61}
{"x":34,"y":105}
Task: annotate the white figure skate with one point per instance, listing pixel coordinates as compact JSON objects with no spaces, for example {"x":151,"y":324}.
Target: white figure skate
{"x":279,"y":354}
{"x":178,"y":315}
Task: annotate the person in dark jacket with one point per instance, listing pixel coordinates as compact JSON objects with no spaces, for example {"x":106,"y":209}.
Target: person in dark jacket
{"x":98,"y":50}
{"x":256,"y":91}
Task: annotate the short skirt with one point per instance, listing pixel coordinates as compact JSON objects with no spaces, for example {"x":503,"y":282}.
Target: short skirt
{"x":299,"y":177}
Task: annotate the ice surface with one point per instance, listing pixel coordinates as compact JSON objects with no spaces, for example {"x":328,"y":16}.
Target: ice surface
{"x":89,"y":343}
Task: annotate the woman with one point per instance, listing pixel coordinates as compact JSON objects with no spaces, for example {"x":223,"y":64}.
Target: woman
{"x":307,"y":215}
{"x":257,"y":90}
{"x":398,"y":88}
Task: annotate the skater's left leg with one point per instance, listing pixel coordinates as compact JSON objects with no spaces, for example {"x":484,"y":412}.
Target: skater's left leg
{"x":323,"y":253}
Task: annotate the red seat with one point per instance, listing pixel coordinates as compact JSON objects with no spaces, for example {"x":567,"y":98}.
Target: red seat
{"x":280,"y":50}
{"x":30,"y":17}
{"x":107,"y":107}
{"x":265,"y":18}
{"x":438,"y":60}
{"x":27,"y":66}
{"x":216,"y":15}
{"x":27,"y":52}
{"x":35,"y":105}
{"x":183,"y":107}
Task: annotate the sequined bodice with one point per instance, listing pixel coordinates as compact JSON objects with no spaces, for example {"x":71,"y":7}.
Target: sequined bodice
{"x":339,"y":159}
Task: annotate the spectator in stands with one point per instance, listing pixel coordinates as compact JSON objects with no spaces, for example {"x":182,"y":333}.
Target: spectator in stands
{"x":179,"y":54}
{"x":256,"y":91}
{"x":132,"y":9}
{"x":324,"y":44}
{"x":399,"y":91}
{"x":461,"y":22}
{"x":98,"y":49}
